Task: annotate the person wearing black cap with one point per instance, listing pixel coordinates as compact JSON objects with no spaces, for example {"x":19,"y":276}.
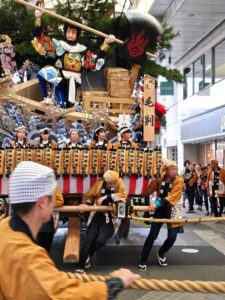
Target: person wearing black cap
{"x":74,"y":140}
{"x":125,"y":141}
{"x":20,"y":141}
{"x":45,"y":142}
{"x":99,"y":141}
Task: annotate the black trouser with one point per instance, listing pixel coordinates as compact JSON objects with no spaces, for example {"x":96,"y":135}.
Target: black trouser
{"x":98,"y":233}
{"x":123,"y":230}
{"x":191,"y":196}
{"x":198,"y":197}
{"x":206,"y":199}
{"x":153,"y":234}
{"x":214,"y":206}
{"x":184,"y":197}
{"x":46,"y":235}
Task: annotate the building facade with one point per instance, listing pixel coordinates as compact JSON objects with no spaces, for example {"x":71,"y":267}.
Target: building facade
{"x":196,"y":112}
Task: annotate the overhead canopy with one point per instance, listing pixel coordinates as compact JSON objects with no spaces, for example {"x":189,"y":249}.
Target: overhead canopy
{"x":192,"y":19}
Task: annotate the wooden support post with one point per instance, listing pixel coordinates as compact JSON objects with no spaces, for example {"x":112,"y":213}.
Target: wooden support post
{"x":86,"y":103}
{"x":72,"y":245}
{"x":5,"y":87}
{"x":134,"y":75}
{"x":149,"y":109}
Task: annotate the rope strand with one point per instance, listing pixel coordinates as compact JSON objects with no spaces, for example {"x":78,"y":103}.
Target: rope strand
{"x":193,"y":220}
{"x":162,"y":285}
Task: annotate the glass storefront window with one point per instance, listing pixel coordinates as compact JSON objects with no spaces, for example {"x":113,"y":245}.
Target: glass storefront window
{"x":210,"y":152}
{"x":188,"y":87}
{"x":220,"y":61}
{"x":220,"y":145}
{"x":208,"y":68}
{"x":198,"y":75}
{"x":219,"y":157}
{"x":172,"y":153}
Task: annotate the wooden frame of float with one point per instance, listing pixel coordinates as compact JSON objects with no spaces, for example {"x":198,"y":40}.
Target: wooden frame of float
{"x":21,"y":94}
{"x":119,"y":105}
{"x":24,"y":91}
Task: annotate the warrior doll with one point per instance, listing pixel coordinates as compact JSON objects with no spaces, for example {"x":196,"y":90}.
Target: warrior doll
{"x":68,"y":58}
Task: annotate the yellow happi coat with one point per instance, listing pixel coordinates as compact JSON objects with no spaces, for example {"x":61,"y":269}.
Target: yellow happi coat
{"x":94,"y":193}
{"x":118,"y":144}
{"x":174,"y":195}
{"x":221,"y":190}
{"x":53,"y":144}
{"x":94,"y":142}
{"x":28,"y":273}
{"x":193,"y":180}
{"x":14,"y":144}
{"x":59,"y":201}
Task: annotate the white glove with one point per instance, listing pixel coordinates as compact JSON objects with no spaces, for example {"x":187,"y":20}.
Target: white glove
{"x":110,"y":39}
{"x":38,"y":14}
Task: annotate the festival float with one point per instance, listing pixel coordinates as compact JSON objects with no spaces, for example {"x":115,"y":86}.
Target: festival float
{"x":122,"y":97}
{"x":116,"y":95}
{"x":126,"y":100}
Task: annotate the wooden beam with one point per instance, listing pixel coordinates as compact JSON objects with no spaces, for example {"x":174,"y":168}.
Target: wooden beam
{"x":72,"y":245}
{"x":119,"y":105}
{"x":134,"y":75}
{"x":98,"y":99}
{"x":73,"y":116}
{"x":21,"y":92}
{"x":83,"y":208}
{"x":87,"y":208}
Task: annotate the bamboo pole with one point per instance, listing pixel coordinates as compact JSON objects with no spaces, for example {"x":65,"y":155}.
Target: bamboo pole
{"x":67,"y":20}
{"x":84,"y":208}
{"x":95,"y":208}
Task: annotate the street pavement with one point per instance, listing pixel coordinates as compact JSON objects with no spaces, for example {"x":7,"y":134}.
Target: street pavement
{"x":198,"y":254}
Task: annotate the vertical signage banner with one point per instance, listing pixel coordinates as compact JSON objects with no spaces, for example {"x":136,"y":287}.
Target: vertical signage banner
{"x":149,"y":109}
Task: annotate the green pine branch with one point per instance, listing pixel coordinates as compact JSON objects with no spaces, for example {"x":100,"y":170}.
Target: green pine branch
{"x":18,"y":23}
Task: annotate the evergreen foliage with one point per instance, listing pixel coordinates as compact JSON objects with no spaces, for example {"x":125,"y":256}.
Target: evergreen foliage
{"x":18,"y":22}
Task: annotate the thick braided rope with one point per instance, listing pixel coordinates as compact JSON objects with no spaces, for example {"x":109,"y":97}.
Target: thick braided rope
{"x":183,"y":221}
{"x":84,"y":208}
{"x":162,"y":285}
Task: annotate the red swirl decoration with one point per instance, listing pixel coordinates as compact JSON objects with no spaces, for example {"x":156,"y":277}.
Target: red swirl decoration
{"x":136,"y":46}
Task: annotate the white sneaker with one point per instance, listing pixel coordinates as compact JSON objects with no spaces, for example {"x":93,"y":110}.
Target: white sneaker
{"x":87,"y":263}
{"x":162,"y":261}
{"x":142,"y":268}
{"x":79,"y":271}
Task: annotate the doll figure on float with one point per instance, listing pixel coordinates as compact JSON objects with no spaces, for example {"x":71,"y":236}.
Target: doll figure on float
{"x":66,"y":59}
